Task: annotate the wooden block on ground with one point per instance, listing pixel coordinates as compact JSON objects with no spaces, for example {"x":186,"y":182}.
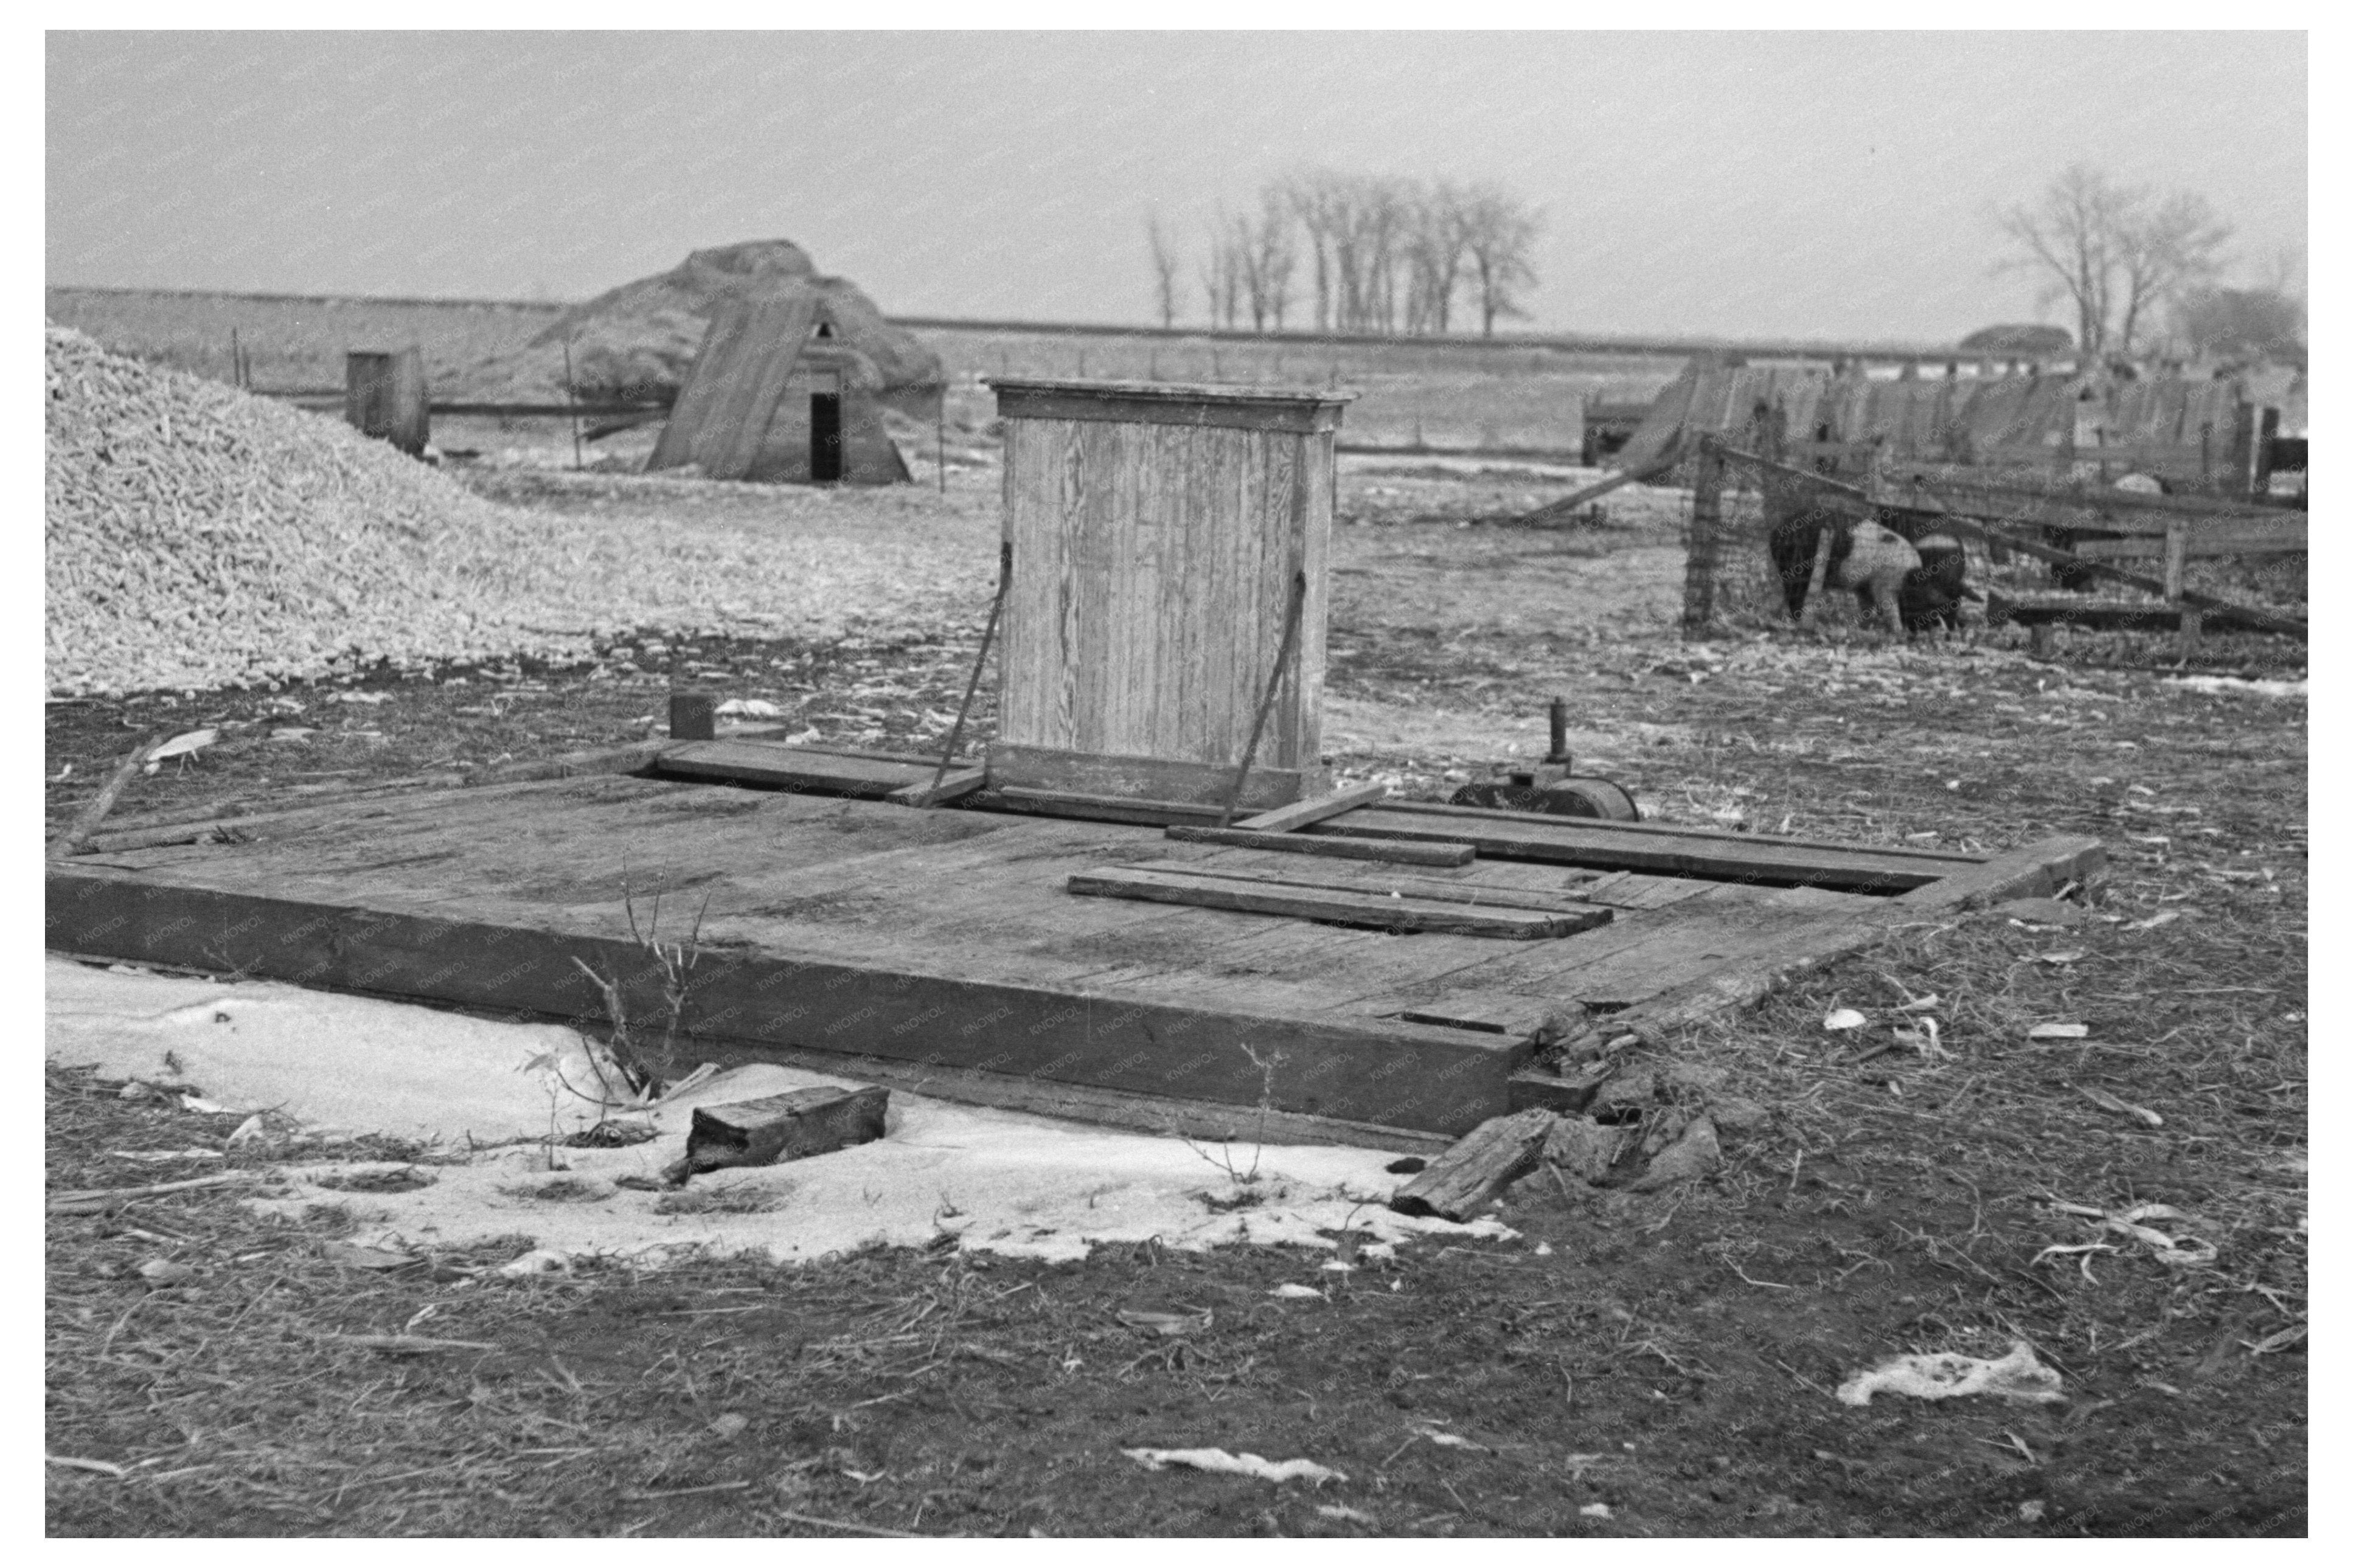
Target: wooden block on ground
{"x":1493,"y":1155}
{"x":1374,"y":911}
{"x":781,"y":1127}
{"x":1396,"y":850}
{"x":955,"y":786}
{"x":693,"y":716}
{"x":1531,"y":1089}
{"x":1299,"y":814}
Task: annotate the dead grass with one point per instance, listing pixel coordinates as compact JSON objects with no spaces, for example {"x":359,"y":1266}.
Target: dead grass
{"x":1667,"y":1355}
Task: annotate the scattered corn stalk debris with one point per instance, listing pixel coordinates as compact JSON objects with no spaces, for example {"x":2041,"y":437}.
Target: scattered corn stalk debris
{"x":1221,"y":1462}
{"x":2017,"y":1376}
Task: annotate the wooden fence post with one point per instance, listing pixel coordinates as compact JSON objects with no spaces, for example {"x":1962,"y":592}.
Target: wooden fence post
{"x":1705,"y":542}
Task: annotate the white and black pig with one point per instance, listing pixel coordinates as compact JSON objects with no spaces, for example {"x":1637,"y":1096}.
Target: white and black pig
{"x":1908,"y":584}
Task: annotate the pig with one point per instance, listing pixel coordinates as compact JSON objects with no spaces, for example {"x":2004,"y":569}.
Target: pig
{"x":1907,"y":585}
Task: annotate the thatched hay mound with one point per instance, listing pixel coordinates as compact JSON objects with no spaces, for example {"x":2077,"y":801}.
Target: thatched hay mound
{"x":639,"y":340}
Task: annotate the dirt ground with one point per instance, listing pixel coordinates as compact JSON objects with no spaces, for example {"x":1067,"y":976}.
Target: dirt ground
{"x":1635,"y":1364}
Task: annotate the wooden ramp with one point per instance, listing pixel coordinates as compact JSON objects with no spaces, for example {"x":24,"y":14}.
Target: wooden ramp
{"x":945,"y":951}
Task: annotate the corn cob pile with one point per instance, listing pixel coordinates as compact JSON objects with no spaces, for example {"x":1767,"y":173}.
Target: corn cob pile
{"x":198,"y":537}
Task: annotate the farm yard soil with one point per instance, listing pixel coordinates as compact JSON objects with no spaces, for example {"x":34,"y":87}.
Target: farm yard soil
{"x":1670,"y":1355}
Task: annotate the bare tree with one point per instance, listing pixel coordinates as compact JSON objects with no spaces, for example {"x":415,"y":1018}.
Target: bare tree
{"x":1164,"y":270}
{"x":1263,"y":249}
{"x":2162,"y":248}
{"x":1221,"y":271}
{"x":1308,"y":197}
{"x":1434,"y":250}
{"x":2069,"y":237}
{"x":1499,"y":234}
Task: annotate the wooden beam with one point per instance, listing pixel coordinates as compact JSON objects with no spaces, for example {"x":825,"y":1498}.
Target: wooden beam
{"x":1336,"y":848}
{"x":1301,"y":901}
{"x":1096,"y":807}
{"x":1593,"y":492}
{"x":762,"y":1005}
{"x":1574,"y":841}
{"x":1467,"y":1177}
{"x":791,"y":767}
{"x":1487,"y":895}
{"x":1300,"y":813}
{"x":952,"y":786}
{"x":1677,"y":832}
{"x":1061,"y":772}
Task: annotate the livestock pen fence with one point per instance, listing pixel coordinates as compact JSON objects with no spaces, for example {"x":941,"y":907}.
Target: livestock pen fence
{"x":2180,"y":563}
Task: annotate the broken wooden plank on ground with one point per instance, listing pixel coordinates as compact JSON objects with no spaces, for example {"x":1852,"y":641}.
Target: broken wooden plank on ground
{"x":86,"y":821}
{"x":1466,"y":1178}
{"x":954,"y":786}
{"x":790,"y":1126}
{"x":1378,"y":911}
{"x":1396,"y":850}
{"x":1299,"y":814}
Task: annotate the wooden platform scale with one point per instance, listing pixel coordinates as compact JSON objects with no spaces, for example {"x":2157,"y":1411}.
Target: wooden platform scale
{"x":1074,"y":935}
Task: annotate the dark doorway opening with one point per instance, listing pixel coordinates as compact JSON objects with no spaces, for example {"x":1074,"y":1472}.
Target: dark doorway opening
{"x":825,"y":437}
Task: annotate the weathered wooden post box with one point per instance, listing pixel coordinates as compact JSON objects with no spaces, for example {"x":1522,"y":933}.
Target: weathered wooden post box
{"x":384,"y":395}
{"x":1170,"y":565}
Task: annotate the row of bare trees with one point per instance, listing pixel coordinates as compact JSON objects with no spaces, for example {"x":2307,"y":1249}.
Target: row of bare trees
{"x":1382,"y":255}
{"x":2116,"y":252}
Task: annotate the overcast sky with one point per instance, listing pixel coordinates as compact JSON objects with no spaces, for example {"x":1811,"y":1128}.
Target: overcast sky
{"x":1819,"y":184}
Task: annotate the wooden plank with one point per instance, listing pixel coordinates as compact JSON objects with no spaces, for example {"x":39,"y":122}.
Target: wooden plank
{"x":1382,"y":884}
{"x":1096,"y":807}
{"x":2229,"y":536}
{"x":791,"y":767}
{"x":2032,"y":870}
{"x":1324,"y":904}
{"x":1933,"y":859}
{"x":722,"y":411}
{"x":953,"y":786}
{"x":1332,"y":847}
{"x":1300,"y":813}
{"x":1070,"y":772}
{"x":1578,"y":842}
{"x":1153,"y":403}
{"x":1401,"y":1074}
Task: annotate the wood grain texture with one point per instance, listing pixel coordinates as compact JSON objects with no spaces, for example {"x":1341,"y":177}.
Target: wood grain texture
{"x":722,"y":411}
{"x":1094,"y":773}
{"x":1578,"y":842}
{"x":791,"y":767}
{"x":1335,"y":849}
{"x":1301,"y":901}
{"x":1153,"y":570}
{"x":1299,"y":814}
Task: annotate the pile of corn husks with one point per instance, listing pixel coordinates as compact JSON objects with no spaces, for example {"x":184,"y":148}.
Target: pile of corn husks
{"x":199,"y":536}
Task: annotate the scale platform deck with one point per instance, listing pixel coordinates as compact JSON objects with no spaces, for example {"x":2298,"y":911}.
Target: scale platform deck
{"x":944,"y":949}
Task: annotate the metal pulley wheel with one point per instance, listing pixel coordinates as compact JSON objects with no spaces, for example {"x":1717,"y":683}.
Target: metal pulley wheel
{"x":1591,"y":797}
